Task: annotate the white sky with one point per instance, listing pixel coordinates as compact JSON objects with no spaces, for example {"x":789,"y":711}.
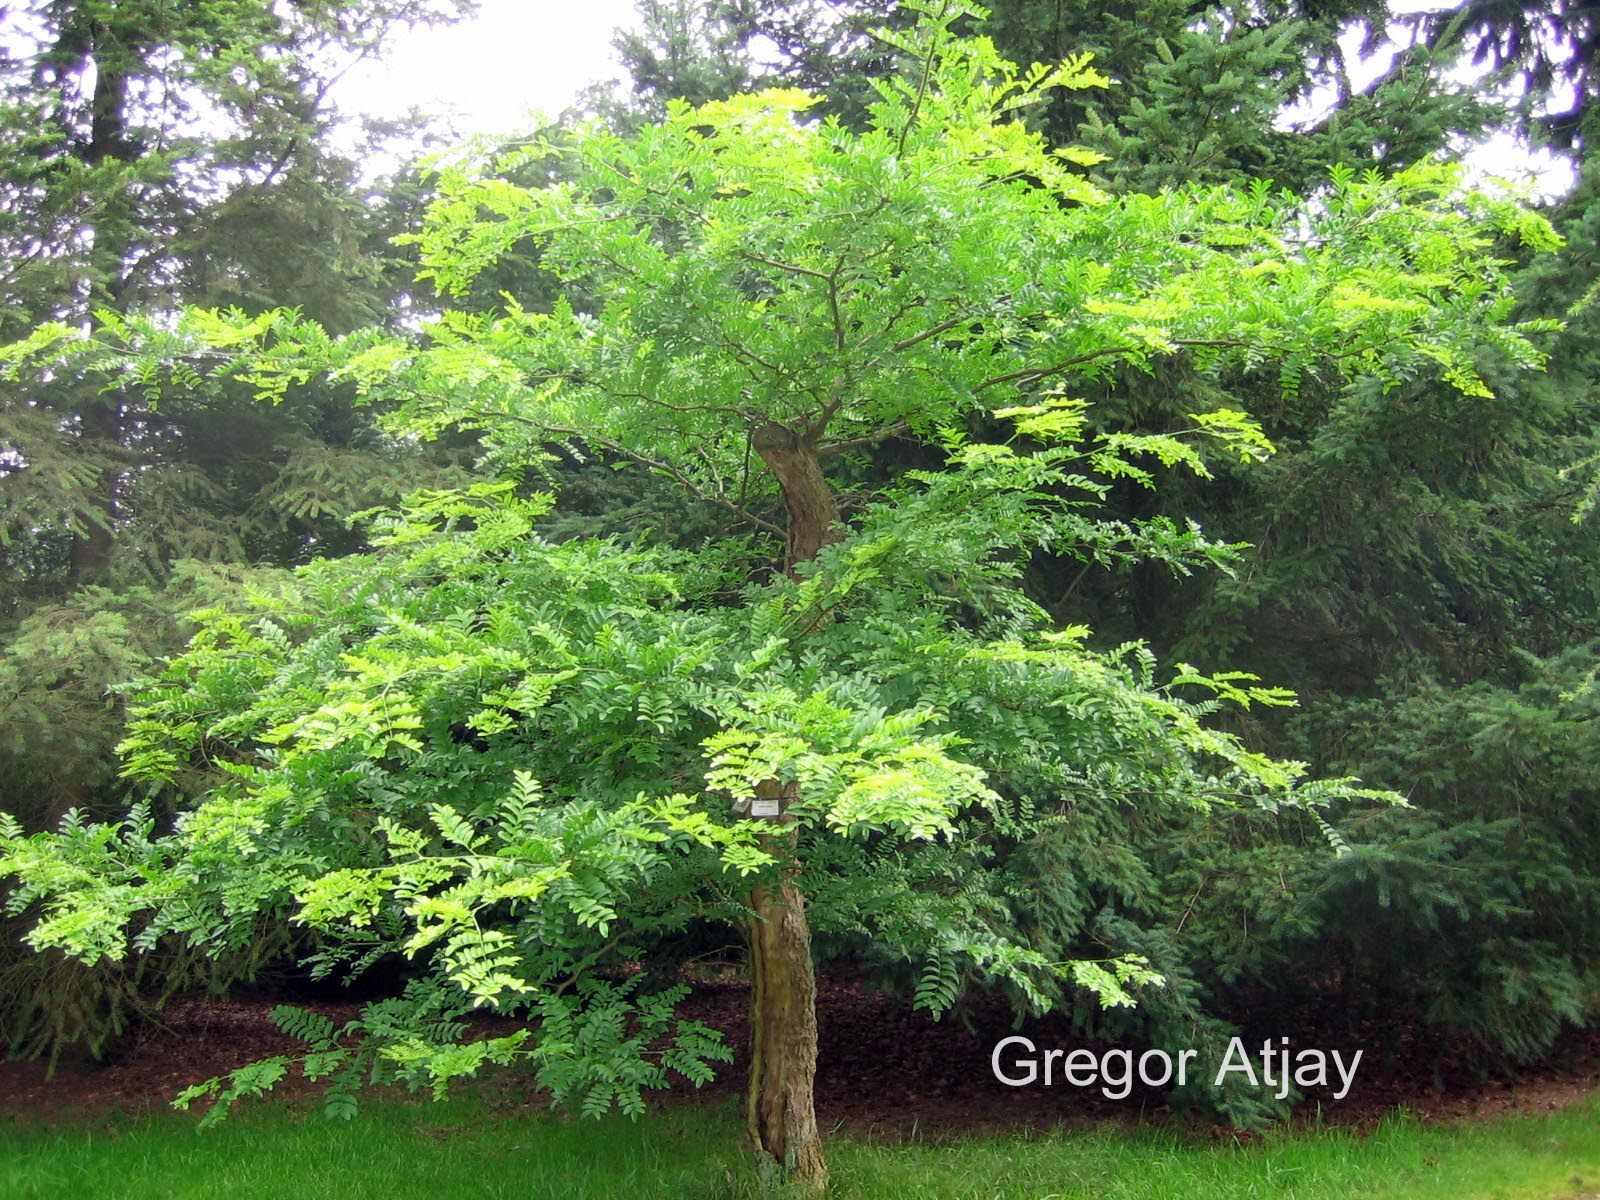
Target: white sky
{"x":490,"y":72}
{"x":1501,"y":157}
{"x":519,"y":57}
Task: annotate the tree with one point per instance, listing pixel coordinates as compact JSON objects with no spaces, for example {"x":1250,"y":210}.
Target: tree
{"x":146,"y":138}
{"x":1408,"y":547}
{"x":521,"y":763}
{"x":158,"y":154}
{"x":162,"y":154}
{"x":1200,"y":95}
{"x":680,"y":50}
{"x":1551,"y":45}
{"x":1244,"y":90}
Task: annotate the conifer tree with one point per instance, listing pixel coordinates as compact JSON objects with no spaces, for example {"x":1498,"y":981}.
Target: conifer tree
{"x":161,"y":154}
{"x":157,"y":154}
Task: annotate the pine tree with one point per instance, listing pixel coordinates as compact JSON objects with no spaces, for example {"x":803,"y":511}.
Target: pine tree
{"x":157,"y":154}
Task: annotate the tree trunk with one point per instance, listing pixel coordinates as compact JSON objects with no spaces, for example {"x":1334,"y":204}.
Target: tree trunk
{"x":813,"y":514}
{"x":101,"y":422}
{"x":779,"y":1110}
{"x":101,"y":432}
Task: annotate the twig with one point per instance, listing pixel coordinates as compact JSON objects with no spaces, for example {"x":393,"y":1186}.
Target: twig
{"x":667,"y":469}
{"x":930,"y":332}
{"x":791,"y":268}
{"x":922,"y":91}
{"x":868,"y":439}
{"x":833,"y":305}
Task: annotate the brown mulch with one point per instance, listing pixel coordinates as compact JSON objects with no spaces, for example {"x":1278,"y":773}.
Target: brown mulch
{"x":882,"y":1069}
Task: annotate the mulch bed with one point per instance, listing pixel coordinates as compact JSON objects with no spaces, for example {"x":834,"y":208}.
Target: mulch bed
{"x":883,"y":1069}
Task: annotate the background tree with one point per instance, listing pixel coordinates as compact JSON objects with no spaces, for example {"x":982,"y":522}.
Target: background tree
{"x":158,"y":154}
{"x":1201,"y":93}
{"x":758,"y":296}
{"x":680,"y":50}
{"x":1550,"y":46}
{"x":161,"y":156}
{"x":1412,"y":556}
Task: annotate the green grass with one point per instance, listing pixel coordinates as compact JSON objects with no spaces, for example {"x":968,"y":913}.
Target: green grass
{"x":464,"y":1149}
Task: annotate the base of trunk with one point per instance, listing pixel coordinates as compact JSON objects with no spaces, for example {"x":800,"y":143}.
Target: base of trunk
{"x":779,"y":1112}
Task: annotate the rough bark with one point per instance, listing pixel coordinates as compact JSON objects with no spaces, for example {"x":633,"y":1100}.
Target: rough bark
{"x":780,"y":1111}
{"x":812,"y":511}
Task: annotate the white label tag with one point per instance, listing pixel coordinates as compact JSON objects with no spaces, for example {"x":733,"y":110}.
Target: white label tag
{"x":765,"y":808}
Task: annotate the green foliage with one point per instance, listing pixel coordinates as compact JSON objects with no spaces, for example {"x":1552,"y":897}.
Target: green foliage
{"x":678,"y":50}
{"x":516,"y":762}
{"x":402,"y":838}
{"x":379,"y":841}
{"x":1243,"y":92}
{"x":160,"y":154}
{"x":163,"y":156}
{"x":1214,"y":96}
{"x":839,"y":284}
{"x":1515,"y":900}
{"x":710,"y":50}
{"x":63,"y":668}
{"x":1419,"y":573}
{"x":1548,"y":46}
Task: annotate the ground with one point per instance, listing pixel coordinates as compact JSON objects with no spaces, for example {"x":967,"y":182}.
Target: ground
{"x":883,"y":1069}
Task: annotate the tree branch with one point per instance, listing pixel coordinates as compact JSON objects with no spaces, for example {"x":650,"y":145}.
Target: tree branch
{"x":922,"y":91}
{"x":931,"y":332}
{"x":830,"y":409}
{"x":868,"y":439}
{"x":791,"y":268}
{"x":1033,"y":374}
{"x":717,"y":498}
{"x":833,"y":305}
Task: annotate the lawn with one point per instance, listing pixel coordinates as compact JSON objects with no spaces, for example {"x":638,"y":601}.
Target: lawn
{"x":465,"y":1149}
